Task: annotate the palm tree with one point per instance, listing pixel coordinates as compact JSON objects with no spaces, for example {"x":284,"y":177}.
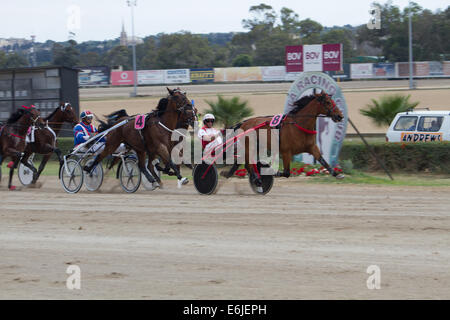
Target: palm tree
{"x":229,"y":111}
{"x":384,"y":111}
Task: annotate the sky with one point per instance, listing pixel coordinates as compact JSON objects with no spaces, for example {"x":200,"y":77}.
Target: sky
{"x":102,"y":19}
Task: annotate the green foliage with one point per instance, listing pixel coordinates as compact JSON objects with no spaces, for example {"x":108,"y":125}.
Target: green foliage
{"x":229,"y":111}
{"x":397,"y":157}
{"x":67,"y":56}
{"x":242,"y":60}
{"x":12,"y":60}
{"x":384,"y":111}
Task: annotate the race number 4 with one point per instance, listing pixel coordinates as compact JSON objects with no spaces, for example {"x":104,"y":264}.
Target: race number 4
{"x":276,"y":120}
{"x":139,"y":122}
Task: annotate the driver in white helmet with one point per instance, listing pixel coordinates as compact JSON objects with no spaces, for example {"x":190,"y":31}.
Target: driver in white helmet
{"x":210,"y":137}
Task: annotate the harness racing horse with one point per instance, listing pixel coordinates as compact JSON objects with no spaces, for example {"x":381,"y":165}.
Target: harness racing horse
{"x":185,"y":120}
{"x":297,"y":133}
{"x":12,"y":138}
{"x":152,"y":139}
{"x":45,"y":138}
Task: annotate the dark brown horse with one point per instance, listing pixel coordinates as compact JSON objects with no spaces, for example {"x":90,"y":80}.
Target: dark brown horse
{"x":12,"y":138}
{"x":297,"y":132}
{"x":153,"y":139}
{"x":45,"y":138}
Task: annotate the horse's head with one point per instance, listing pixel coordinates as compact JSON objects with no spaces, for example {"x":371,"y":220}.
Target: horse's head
{"x":68,"y":114}
{"x":328,"y":107}
{"x":34,"y":115}
{"x":188,"y":113}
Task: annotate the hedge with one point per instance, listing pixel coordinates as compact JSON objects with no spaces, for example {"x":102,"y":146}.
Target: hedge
{"x":407,"y":157}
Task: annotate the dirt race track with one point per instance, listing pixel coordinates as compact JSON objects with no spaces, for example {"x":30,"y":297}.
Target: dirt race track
{"x":301,"y":241}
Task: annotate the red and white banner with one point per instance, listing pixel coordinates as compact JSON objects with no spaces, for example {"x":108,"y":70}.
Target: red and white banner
{"x":122,"y":78}
{"x":317,"y":57}
{"x":294,"y":58}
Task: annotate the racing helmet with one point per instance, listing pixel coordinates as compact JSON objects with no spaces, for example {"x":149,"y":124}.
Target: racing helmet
{"x":208,"y":116}
{"x":86,"y":114}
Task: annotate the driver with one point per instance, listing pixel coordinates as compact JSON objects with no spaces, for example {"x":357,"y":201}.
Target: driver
{"x":210,"y":137}
{"x":85,"y":130}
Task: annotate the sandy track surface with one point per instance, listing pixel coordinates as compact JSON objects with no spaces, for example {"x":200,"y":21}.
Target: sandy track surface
{"x":301,"y":241}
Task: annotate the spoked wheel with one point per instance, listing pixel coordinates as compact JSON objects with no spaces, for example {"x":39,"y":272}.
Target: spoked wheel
{"x":94,"y":179}
{"x":147,"y":184}
{"x":71,"y":176}
{"x":267,"y":182}
{"x":25,"y":174}
{"x":205,"y":178}
{"x":130,"y":175}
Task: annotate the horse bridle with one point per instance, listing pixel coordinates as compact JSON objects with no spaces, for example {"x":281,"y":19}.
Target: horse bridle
{"x":183,"y":109}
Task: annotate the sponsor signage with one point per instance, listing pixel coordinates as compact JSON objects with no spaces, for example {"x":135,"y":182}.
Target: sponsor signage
{"x":150,"y":76}
{"x":177,"y":76}
{"x":237,"y":74}
{"x":317,"y":57}
{"x":202,"y":75}
{"x":122,"y":78}
{"x":420,"y":137}
{"x":361,"y":70}
{"x":330,"y":135}
{"x":94,"y":76}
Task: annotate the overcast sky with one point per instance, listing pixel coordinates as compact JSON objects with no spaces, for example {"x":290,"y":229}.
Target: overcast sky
{"x":102,"y":19}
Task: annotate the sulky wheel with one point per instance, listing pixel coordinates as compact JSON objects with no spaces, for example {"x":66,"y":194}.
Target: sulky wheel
{"x":130,"y":175}
{"x":25,"y":174}
{"x":267,"y":182}
{"x":205,"y":178}
{"x":71,"y":176}
{"x":94,"y":179}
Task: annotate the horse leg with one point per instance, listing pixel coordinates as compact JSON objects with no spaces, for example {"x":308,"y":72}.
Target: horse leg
{"x":287,"y":156}
{"x":141,"y":164}
{"x":42,"y":166}
{"x":15,"y":162}
{"x":1,"y":161}
{"x":109,"y":149}
{"x":316,"y":153}
{"x":164,"y":154}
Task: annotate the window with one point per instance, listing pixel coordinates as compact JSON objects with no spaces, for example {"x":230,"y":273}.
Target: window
{"x":430,"y":123}
{"x":406,"y":123}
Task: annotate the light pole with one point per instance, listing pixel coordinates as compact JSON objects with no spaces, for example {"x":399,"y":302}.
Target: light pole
{"x":411,"y":81}
{"x":132,"y":4}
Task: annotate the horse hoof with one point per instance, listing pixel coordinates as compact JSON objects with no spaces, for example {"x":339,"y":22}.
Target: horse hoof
{"x":182,"y":182}
{"x":340,"y":176}
{"x":155,"y":185}
{"x":10,"y":164}
{"x":224,"y":174}
{"x":13,"y":188}
{"x":259,"y":189}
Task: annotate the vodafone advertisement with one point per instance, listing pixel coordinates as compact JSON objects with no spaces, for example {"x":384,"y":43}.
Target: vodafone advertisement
{"x":317,"y":57}
{"x":122,"y":78}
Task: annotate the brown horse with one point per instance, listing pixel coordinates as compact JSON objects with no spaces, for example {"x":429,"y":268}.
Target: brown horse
{"x":12,"y":138}
{"x":297,"y":133}
{"x":152,"y":139}
{"x":45,"y":138}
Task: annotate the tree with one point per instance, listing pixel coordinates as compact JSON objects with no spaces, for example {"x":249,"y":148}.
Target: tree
{"x":12,"y":60}
{"x":289,"y":21}
{"x":310,"y":31}
{"x":242,"y":60}
{"x":89,"y":59}
{"x":229,"y":111}
{"x":382,"y":112}
{"x":263,"y":16}
{"x":184,"y":50}
{"x":67,"y":56}
{"x":118,"y":56}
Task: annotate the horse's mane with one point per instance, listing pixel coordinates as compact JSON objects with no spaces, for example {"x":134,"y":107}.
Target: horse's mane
{"x":116,"y":115}
{"x":16,"y":116}
{"x":51,"y":114}
{"x":301,"y":103}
